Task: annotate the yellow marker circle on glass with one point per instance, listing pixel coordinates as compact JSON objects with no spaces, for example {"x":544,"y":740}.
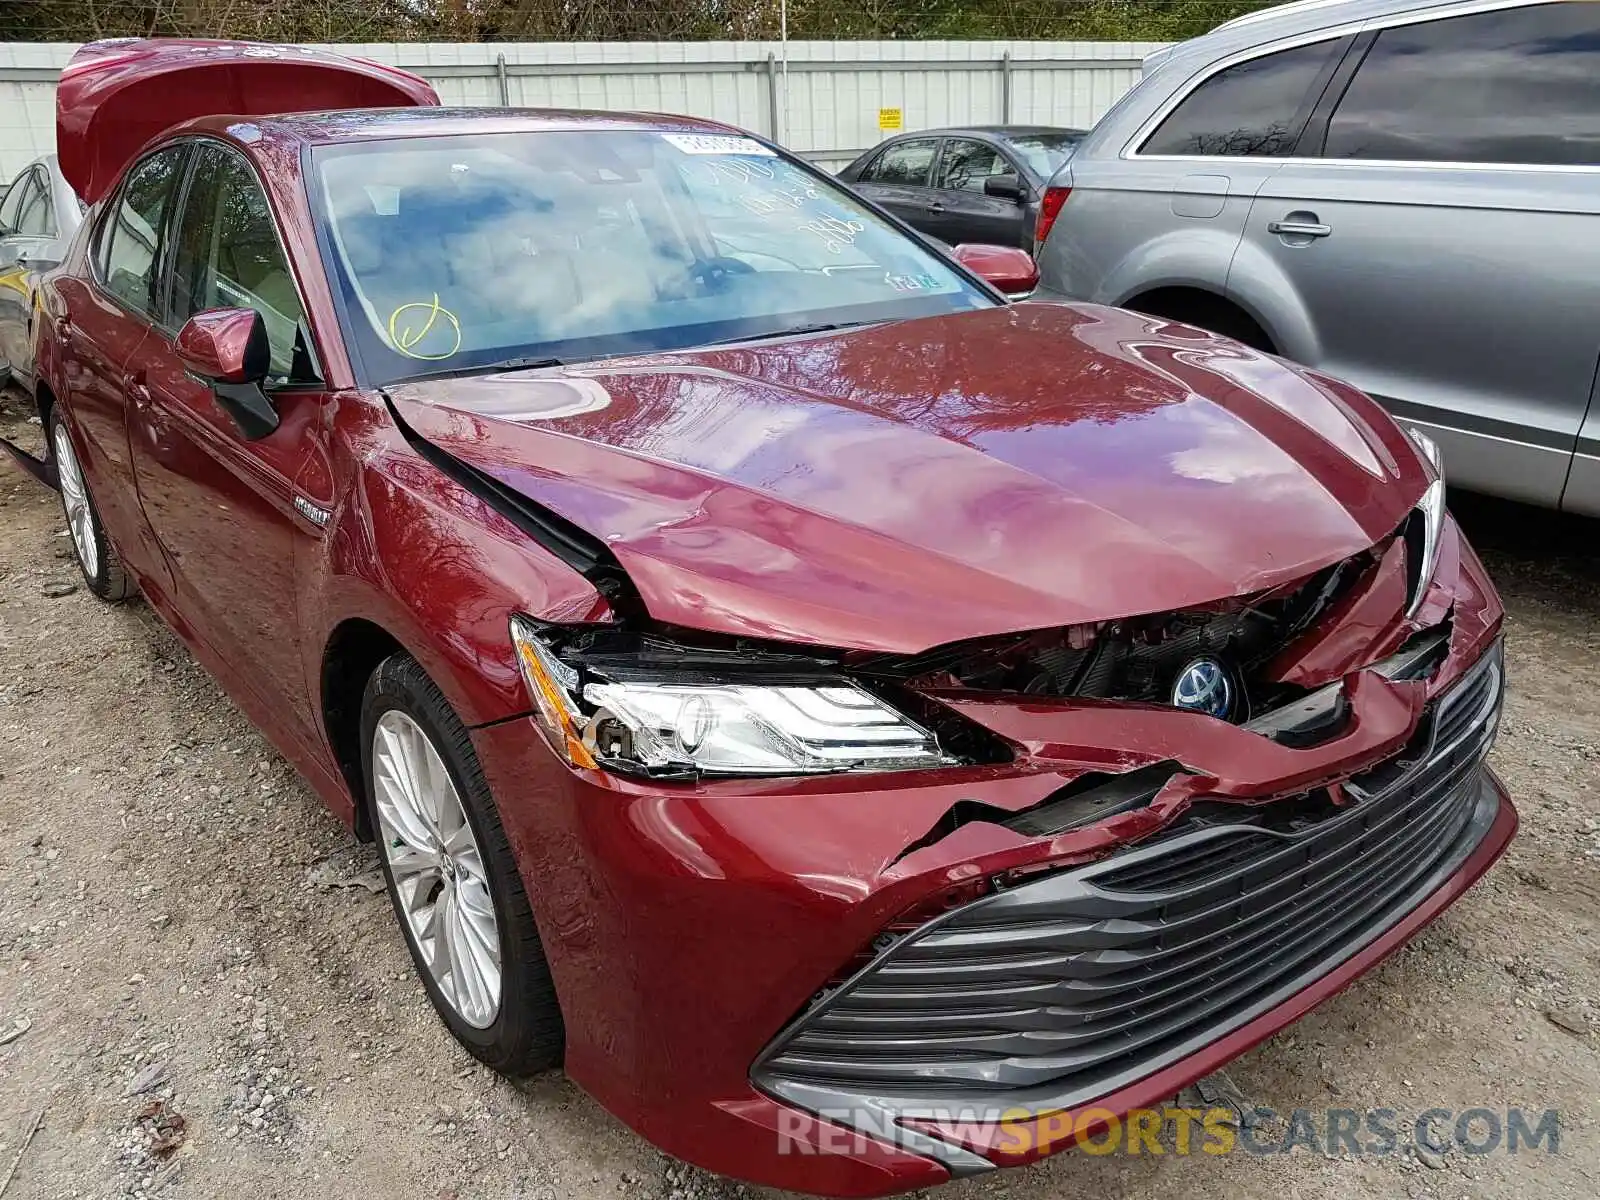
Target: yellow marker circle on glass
{"x":428,"y":324}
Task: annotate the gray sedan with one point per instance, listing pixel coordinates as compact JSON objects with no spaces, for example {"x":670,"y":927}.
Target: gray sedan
{"x":1403,"y":193}
{"x":38,"y":217}
{"x":978,"y":183}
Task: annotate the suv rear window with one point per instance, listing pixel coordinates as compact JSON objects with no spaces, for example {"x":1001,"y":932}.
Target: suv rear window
{"x":1510,"y":86}
{"x":1251,"y":109}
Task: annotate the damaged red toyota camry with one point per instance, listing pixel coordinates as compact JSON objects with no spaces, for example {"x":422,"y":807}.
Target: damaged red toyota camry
{"x":831,"y":709}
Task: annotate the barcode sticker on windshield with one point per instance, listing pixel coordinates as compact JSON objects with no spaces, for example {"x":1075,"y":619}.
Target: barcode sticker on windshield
{"x":716,"y":143}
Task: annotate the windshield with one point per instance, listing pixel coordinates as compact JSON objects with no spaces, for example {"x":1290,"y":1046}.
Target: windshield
{"x":1045,"y":152}
{"x":461,"y":252}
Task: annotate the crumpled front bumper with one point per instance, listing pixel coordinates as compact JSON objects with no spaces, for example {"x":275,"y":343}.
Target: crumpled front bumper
{"x":691,"y":928}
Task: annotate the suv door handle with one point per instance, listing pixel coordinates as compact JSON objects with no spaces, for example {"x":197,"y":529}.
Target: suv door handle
{"x":1290,"y":227}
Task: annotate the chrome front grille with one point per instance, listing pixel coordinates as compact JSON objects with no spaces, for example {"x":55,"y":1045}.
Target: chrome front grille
{"x":1060,"y":990}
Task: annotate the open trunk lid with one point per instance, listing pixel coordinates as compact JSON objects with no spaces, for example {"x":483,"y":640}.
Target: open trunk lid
{"x":115,"y":96}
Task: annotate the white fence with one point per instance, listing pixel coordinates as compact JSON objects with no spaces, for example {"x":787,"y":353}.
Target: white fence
{"x":827,"y":100}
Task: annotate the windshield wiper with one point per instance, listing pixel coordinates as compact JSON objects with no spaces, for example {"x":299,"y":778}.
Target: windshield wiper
{"x":791,"y":331}
{"x":527,"y":363}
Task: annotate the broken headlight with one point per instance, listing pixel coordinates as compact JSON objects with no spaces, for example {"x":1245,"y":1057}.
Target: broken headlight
{"x":1424,"y":527}
{"x":677,"y":723}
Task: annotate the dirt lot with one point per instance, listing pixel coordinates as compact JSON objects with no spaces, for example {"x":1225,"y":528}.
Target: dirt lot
{"x":176,"y":909}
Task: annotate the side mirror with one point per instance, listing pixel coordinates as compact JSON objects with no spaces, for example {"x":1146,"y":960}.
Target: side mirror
{"x":227,"y":348}
{"x":1011,"y":270}
{"x":1007,"y":187}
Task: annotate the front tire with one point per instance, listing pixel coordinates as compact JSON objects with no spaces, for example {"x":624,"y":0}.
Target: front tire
{"x":98,"y":560}
{"x":452,"y":877}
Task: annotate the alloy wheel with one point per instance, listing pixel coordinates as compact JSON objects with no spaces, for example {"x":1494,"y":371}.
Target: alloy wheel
{"x":75,"y":499}
{"x":436,"y":868}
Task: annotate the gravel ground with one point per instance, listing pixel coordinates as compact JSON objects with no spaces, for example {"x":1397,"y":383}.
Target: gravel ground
{"x":214,"y":1001}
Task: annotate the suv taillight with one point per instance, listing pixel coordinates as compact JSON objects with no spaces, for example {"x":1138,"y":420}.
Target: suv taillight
{"x":1049,"y":209}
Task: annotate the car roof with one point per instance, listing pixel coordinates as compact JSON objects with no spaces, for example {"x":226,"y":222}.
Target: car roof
{"x":354,"y":125}
{"x":990,"y":131}
{"x":1308,"y":15}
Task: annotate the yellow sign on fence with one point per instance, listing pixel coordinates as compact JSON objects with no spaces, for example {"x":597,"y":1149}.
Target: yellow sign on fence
{"x":889,"y":120}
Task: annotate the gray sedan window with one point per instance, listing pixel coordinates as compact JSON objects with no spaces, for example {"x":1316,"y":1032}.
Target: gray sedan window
{"x":36,"y":219}
{"x":905,"y":164}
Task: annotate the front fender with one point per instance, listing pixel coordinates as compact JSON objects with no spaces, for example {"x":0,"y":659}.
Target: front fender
{"x":430,"y":563}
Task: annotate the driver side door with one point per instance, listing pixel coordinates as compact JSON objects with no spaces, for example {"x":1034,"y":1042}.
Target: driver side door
{"x":964,"y":211}
{"x":222,"y":506}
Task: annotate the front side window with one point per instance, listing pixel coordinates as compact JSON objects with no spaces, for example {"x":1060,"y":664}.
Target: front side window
{"x":131,"y":236}
{"x":228,"y":255}
{"x":1251,"y":109}
{"x":462,"y":252}
{"x":1509,"y":86}
{"x":965,"y":165}
{"x":903,"y":165}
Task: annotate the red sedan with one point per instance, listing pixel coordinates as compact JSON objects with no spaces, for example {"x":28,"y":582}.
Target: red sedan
{"x":869,"y":731}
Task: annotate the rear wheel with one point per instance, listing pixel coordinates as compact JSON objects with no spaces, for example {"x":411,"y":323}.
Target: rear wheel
{"x":452,"y":877}
{"x":97,"y":558}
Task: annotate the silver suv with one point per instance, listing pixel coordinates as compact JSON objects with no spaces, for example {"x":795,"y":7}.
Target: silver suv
{"x":1401,"y":193}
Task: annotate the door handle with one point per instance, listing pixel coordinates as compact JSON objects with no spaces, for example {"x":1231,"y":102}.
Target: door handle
{"x":1308,"y":227}
{"x":134,"y":388}
{"x":936,"y":207}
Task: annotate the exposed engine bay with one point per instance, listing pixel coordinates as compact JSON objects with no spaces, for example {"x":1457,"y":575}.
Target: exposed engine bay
{"x":1165,"y":658}
{"x":1232,"y":660}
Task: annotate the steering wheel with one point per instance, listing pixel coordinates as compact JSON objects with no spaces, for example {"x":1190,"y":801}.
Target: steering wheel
{"x":712,"y":274}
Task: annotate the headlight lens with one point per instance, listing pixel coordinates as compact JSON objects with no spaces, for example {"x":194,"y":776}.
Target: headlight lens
{"x":682,"y":727}
{"x":1424,"y":527}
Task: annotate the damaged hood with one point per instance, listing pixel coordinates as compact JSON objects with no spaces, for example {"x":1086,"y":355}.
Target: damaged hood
{"x":901,"y":486}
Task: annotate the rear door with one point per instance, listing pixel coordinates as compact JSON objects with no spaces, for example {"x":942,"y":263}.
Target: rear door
{"x":104,"y":316}
{"x":962,"y":211}
{"x":900,"y":179}
{"x":1440,"y":231}
{"x":222,"y":507}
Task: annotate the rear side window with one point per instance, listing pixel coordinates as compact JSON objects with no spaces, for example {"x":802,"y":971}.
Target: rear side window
{"x":1509,"y":86}
{"x":130,"y":240}
{"x":905,"y":164}
{"x":1251,"y":109}
{"x":35,"y":219}
{"x":11,"y":205}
